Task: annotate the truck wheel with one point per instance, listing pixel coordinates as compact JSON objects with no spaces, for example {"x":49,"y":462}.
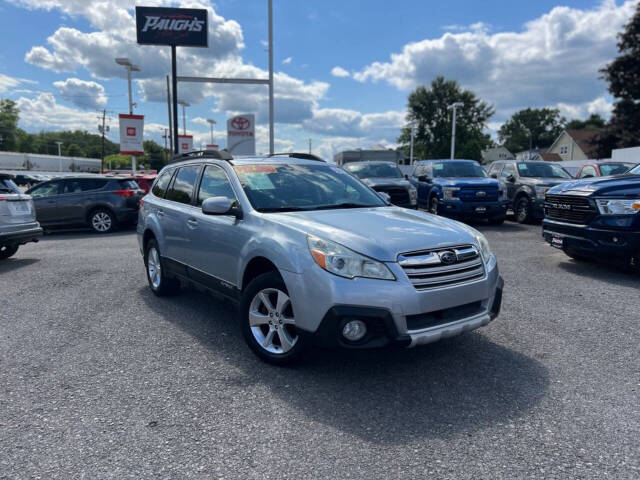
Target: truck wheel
{"x":433,"y":205}
{"x":268,"y":321}
{"x":7,"y":251}
{"x":523,"y":210}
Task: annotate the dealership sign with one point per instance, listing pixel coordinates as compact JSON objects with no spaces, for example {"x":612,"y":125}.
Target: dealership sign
{"x":131,"y":130}
{"x":186,"y":27}
{"x":241,"y":135}
{"x":185,"y":143}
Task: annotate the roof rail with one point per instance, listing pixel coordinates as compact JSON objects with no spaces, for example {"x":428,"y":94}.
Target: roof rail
{"x":218,"y":155}
{"x":302,"y":156}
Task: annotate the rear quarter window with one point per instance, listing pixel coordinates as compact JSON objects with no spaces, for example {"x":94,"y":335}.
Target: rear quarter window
{"x":128,"y":184}
{"x":162,"y":182}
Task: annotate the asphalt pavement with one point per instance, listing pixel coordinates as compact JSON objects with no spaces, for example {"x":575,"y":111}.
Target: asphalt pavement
{"x":100,"y":379}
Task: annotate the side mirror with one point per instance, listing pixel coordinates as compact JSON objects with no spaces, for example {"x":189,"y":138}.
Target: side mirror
{"x":588,"y":176}
{"x":494,"y":175}
{"x":511,"y":178}
{"x":424,"y":178}
{"x":217,"y":206}
{"x":384,"y":196}
{"x":406,"y":177}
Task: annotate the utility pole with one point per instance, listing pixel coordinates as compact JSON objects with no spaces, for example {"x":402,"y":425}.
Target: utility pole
{"x":125,"y":62}
{"x":169,"y":110}
{"x":413,"y":134}
{"x":454,"y":107}
{"x":184,"y":115}
{"x":59,"y":155}
{"x":271,"y":116}
{"x":165,"y":136}
{"x":104,"y":113}
{"x":309,"y":146}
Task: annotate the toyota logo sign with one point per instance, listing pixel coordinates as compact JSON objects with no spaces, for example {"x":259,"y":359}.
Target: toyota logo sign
{"x":240,"y":123}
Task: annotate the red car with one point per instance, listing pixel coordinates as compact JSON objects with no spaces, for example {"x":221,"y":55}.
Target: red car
{"x":603,"y":169}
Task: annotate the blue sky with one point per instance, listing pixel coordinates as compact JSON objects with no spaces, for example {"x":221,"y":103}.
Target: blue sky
{"x":343,"y":69}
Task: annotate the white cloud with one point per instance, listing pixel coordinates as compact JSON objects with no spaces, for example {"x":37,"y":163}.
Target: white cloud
{"x":351,"y":123}
{"x":82,"y":93}
{"x":44,"y":112}
{"x":600,"y":105}
{"x":7,"y":82}
{"x":287,"y":60}
{"x":553,"y":59}
{"x":338,"y":71}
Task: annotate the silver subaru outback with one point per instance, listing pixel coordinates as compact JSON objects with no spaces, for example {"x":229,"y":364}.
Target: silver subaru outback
{"x":313,"y":256}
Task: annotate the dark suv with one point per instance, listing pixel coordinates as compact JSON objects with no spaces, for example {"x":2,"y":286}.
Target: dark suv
{"x":99,"y":202}
{"x":596,"y":218}
{"x":386,"y":177}
{"x":526,"y":184}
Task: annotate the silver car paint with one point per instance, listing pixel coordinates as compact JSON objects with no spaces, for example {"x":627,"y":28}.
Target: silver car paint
{"x":381,"y":233}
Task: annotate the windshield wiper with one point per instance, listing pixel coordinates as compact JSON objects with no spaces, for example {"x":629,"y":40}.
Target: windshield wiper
{"x":283,"y":209}
{"x":344,"y":205}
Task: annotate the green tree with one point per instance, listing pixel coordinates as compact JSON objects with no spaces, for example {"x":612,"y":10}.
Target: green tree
{"x":8,"y":124}
{"x":154,"y":155}
{"x":73,"y":150}
{"x":594,"y":122}
{"x":428,"y":108}
{"x":536,"y":126}
{"x":623,"y":76}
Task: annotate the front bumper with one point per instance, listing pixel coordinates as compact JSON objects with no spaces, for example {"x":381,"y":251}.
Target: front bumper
{"x":394,"y":311}
{"x":591,"y":241}
{"x":20,"y":237}
{"x":473,"y":209}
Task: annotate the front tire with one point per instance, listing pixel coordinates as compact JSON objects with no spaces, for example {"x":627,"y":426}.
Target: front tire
{"x":268,"y":322}
{"x":159,"y":283}
{"x":523,"y":210}
{"x":7,"y":251}
{"x":433,"y":205}
{"x":102,"y":221}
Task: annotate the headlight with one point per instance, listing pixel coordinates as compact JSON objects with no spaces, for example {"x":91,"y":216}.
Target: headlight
{"x":541,"y":191}
{"x":450,"y":192}
{"x":618,"y":206}
{"x":346,"y":263}
{"x":481,"y":241}
{"x":503,"y":194}
{"x":413,"y":195}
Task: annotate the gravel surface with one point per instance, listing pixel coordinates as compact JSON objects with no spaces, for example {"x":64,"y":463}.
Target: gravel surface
{"x":100,"y":379}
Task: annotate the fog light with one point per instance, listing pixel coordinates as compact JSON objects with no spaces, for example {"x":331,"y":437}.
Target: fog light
{"x":354,"y":330}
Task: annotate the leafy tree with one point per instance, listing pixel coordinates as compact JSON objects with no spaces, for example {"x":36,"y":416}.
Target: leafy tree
{"x":545,"y":124}
{"x":154,"y":155}
{"x":594,"y":122}
{"x":8,"y":124}
{"x":623,"y":75}
{"x":428,"y":108}
{"x":73,"y":150}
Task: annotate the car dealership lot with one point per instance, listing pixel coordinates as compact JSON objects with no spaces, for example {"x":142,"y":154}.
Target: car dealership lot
{"x":99,"y":378}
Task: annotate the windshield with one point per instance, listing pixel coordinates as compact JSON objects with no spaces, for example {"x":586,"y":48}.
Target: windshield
{"x":7,"y":186}
{"x":539,"y":169}
{"x":636,"y":170}
{"x":458,"y":169}
{"x":282,"y":187}
{"x":374,"y":170}
{"x":614,"y":169}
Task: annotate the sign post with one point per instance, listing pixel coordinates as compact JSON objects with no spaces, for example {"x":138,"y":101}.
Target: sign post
{"x":176,"y":27}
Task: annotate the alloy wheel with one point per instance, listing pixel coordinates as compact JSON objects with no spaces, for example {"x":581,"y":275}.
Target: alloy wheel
{"x":271,"y":321}
{"x":101,"y":221}
{"x":154,"y":269}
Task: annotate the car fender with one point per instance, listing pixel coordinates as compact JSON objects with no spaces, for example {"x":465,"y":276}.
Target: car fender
{"x":152,"y":224}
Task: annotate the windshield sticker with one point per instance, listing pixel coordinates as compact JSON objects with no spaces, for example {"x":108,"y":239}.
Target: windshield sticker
{"x":240,"y":169}
{"x":259,"y":181}
{"x":438,"y":166}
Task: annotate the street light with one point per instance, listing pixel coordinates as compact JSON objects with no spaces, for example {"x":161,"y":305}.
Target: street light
{"x":413,"y":134}
{"x":59,"y":155}
{"x":454,"y":107}
{"x":184,"y":116}
{"x":528,"y":130}
{"x":126,"y":63}
{"x":211,"y":122}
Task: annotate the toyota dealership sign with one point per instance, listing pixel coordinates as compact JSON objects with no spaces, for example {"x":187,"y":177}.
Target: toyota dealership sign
{"x":186,"y":27}
{"x":241,"y":135}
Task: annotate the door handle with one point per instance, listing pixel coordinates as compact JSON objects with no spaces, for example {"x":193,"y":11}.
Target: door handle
{"x":192,"y":222}
{"x":160,"y":212}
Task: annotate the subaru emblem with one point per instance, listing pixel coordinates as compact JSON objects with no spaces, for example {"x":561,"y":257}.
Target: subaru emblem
{"x":448,"y":257}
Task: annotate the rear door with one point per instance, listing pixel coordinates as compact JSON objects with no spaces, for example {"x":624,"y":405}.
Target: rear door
{"x":45,"y":198}
{"x":15,"y":208}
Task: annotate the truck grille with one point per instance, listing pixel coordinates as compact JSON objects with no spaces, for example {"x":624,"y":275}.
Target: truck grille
{"x":399,"y":195}
{"x":442,"y":267}
{"x":478,"y":194}
{"x":570,"y":209}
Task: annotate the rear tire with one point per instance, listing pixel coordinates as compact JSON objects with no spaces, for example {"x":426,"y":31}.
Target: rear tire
{"x":522,"y":210}
{"x":159,"y":283}
{"x":7,"y":251}
{"x":102,"y":221}
{"x":433,"y":205}
{"x":268,"y":323}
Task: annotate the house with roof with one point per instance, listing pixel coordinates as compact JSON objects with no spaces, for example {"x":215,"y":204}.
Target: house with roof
{"x":496,"y":153}
{"x":575,"y":145}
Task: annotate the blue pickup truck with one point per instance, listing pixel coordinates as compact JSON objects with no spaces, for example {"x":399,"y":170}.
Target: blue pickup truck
{"x":459,"y":189}
{"x":596,"y":218}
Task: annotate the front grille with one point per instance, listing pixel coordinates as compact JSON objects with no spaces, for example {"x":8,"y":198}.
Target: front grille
{"x":426,"y":269}
{"x":399,"y":195}
{"x":568,"y":208}
{"x":440,"y":317}
{"x":478,"y":194}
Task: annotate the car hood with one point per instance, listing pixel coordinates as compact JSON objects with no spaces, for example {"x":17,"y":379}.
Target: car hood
{"x":466,"y":182}
{"x":386,"y":182}
{"x":614,"y":185}
{"x":382,"y":232}
{"x":542,"y":181}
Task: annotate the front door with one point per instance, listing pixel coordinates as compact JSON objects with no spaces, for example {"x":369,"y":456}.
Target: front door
{"x":45,"y":198}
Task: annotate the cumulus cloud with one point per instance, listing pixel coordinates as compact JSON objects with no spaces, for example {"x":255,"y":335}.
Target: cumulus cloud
{"x":351,"y":123}
{"x":7,"y":82}
{"x":44,"y":112}
{"x":82,"y":93}
{"x":553,"y":59}
{"x":338,"y":71}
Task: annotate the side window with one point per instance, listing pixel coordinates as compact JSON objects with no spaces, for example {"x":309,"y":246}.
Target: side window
{"x":588,"y":171}
{"x":495,"y":169}
{"x":88,"y":184}
{"x":46,"y":189}
{"x":162,"y":182}
{"x":509,"y":169}
{"x":181,"y":190}
{"x":214,"y":184}
{"x":71,"y":186}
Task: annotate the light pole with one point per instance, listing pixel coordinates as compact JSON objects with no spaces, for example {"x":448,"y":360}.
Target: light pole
{"x":530,"y":140}
{"x":211,"y":122}
{"x":59,"y":155}
{"x":413,"y":134}
{"x":126,"y":63}
{"x":454,"y":107}
{"x":184,"y":115}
